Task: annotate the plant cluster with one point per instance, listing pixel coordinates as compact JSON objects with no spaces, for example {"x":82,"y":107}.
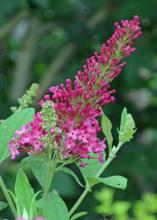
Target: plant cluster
{"x":65,"y":131}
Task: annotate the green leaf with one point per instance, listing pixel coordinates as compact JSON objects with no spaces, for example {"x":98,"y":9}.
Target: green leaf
{"x":3,"y":205}
{"x":23,"y":192}
{"x":33,"y":206}
{"x":127,"y":127}
{"x":70,"y":172}
{"x":91,"y":168}
{"x":123,"y":119}
{"x":53,"y":207}
{"x":78,"y":215}
{"x":106,"y":126}
{"x":9,"y":126}
{"x":119,"y":182}
{"x":38,"y":167}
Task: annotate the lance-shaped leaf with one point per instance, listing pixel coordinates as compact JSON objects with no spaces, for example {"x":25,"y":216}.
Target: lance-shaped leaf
{"x":106,"y":126}
{"x":53,"y":207}
{"x":119,"y":182}
{"x":38,"y":167}
{"x":24,"y":193}
{"x":9,"y":126}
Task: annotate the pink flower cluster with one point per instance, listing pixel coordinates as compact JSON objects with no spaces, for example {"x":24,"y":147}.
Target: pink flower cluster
{"x":78,"y":104}
{"x":82,"y":139}
{"x":28,"y":138}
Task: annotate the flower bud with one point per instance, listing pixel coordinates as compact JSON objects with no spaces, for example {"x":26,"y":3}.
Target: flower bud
{"x":27,"y":99}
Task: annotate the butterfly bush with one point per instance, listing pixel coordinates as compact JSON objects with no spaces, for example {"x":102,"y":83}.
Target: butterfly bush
{"x":73,"y":128}
{"x":66,"y":130}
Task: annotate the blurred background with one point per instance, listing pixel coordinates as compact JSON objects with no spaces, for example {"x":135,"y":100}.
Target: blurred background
{"x":47,"y":41}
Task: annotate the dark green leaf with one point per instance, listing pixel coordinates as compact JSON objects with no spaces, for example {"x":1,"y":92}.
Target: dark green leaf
{"x":23,"y":192}
{"x":9,"y":126}
{"x":54,"y":208}
{"x":119,"y":182}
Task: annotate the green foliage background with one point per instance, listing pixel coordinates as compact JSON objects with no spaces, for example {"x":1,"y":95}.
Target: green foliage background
{"x":48,"y":41}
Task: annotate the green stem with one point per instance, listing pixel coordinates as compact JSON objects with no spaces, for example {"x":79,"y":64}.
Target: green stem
{"x":112,"y":155}
{"x":79,"y":201}
{"x":51,"y":171}
{"x":8,"y":198}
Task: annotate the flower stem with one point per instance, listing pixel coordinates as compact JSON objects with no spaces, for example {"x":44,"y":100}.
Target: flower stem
{"x":79,"y":201}
{"x":112,"y":155}
{"x":8,"y":198}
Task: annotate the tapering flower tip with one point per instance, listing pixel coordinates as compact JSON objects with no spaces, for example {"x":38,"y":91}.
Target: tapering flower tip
{"x":119,"y":46}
